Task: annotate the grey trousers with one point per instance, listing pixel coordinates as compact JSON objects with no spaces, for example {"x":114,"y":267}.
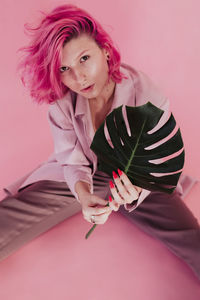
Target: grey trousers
{"x":41,"y":205}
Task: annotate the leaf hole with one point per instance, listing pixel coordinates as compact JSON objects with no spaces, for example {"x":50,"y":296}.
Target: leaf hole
{"x":165,"y":174}
{"x":126,"y":120}
{"x":162,"y":141}
{"x":166,"y":158}
{"x":106,"y":133}
{"x":121,"y":142}
{"x":164,"y":118}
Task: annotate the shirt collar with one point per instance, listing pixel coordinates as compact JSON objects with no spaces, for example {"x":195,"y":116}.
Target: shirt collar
{"x":80,"y":105}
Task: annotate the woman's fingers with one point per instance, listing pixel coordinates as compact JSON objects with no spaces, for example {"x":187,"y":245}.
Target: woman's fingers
{"x":113,"y":204}
{"x":101,"y":219}
{"x":98,"y":218}
{"x":115,"y":193}
{"x":123,"y":191}
{"x":128,"y":184}
{"x":97,"y":208}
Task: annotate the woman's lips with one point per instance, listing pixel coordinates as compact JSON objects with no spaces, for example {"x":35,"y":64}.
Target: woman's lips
{"x":88,"y":88}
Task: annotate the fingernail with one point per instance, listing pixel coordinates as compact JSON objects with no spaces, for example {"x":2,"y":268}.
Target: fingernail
{"x":119,"y":172}
{"x":114,"y":174}
{"x":110,"y":198}
{"x":111,"y":185}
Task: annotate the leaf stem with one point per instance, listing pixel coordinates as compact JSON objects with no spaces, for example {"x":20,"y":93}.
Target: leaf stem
{"x":92,"y":228}
{"x":90,"y":231}
{"x":136,"y":145}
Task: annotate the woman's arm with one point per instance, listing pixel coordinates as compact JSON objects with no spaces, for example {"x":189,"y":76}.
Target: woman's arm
{"x":67,"y":148}
{"x":82,"y":188}
{"x":76,"y":167}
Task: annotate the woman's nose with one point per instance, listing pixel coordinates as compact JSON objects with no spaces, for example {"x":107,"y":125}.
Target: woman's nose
{"x":79,"y":76}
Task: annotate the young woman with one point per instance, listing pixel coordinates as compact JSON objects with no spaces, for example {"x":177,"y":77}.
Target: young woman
{"x":72,"y":64}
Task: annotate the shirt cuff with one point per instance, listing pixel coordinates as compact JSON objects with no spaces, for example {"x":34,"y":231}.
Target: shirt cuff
{"x":72,"y":176}
{"x":132,"y":206}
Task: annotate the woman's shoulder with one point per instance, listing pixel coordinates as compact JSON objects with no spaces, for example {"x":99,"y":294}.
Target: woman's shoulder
{"x":64,"y":104}
{"x":139,"y":77}
{"x":62,"y":110}
{"x":145,"y":87}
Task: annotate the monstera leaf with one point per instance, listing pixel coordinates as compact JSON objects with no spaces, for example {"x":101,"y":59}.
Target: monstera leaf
{"x":153,"y":168}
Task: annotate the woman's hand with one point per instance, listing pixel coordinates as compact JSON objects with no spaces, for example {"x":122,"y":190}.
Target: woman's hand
{"x":123,"y":191}
{"x":93,"y":205}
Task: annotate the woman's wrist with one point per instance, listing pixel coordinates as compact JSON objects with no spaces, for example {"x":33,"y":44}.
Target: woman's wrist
{"x":82,"y":189}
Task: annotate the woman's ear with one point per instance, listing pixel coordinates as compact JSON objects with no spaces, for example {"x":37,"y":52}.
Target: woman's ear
{"x":106,"y":53}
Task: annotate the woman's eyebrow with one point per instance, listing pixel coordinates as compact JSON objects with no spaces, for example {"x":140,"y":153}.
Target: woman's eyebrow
{"x":82,"y":53}
{"x":78,"y":55}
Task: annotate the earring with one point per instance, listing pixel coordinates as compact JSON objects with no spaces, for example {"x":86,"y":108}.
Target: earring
{"x":108,"y":57}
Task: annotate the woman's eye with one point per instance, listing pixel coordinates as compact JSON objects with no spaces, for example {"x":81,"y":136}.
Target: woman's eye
{"x":85,"y":57}
{"x":63,"y":69}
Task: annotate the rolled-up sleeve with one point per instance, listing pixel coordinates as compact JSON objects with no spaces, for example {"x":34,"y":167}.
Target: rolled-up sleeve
{"x":147,"y":91}
{"x":67,"y":148}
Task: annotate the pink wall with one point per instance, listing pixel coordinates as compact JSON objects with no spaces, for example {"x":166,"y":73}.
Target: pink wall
{"x":160,"y":38}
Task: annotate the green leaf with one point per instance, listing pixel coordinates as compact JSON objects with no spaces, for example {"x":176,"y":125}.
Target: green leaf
{"x":129,"y":151}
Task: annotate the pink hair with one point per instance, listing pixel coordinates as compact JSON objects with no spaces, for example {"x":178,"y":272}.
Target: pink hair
{"x":41,"y":61}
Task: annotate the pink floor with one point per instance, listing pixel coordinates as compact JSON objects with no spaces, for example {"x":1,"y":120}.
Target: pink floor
{"x":117,"y":262}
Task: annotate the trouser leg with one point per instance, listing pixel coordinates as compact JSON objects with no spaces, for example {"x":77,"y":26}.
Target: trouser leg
{"x":37,"y":208}
{"x":31,"y":212}
{"x":168,"y":219}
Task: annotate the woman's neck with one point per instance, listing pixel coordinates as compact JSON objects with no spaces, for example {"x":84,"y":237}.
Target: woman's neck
{"x":106,"y":98}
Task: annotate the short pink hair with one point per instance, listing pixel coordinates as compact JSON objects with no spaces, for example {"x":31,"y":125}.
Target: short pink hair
{"x":41,"y":61}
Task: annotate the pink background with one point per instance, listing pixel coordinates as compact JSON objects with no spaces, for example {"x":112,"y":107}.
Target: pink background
{"x":161,"y":38}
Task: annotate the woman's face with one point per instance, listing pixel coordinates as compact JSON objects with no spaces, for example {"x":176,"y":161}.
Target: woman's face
{"x":84,"y":64}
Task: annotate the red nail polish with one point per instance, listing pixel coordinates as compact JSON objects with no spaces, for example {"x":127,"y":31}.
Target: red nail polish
{"x":111,"y":184}
{"x":110,"y":198}
{"x":119,"y":172}
{"x":114,"y":174}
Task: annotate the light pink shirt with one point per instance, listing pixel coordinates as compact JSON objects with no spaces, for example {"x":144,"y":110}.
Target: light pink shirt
{"x":71,"y":126}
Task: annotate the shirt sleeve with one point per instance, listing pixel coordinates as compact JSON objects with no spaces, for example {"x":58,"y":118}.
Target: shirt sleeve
{"x":146,"y":90}
{"x":68,"y":150}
